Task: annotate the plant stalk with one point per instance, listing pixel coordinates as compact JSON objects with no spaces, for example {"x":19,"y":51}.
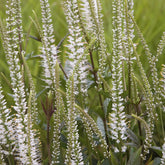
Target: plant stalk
{"x":48,"y":142}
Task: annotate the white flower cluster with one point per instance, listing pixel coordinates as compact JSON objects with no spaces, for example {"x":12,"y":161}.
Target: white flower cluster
{"x":73,"y":152}
{"x":117,"y":116}
{"x":16,"y":79}
{"x":147,"y":142}
{"x":19,"y":122}
{"x":92,"y":25}
{"x":6,"y":130}
{"x":57,"y":120}
{"x":128,"y":27}
{"x":160,"y":46}
{"x":76,"y":55}
{"x":101,"y":39}
{"x":163,"y":84}
{"x":49,"y":49}
{"x":89,"y":22}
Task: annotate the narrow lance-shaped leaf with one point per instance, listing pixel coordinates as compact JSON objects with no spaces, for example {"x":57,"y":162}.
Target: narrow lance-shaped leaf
{"x":135,"y":158}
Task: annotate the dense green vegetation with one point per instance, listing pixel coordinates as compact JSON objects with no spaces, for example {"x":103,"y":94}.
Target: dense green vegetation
{"x":62,"y":124}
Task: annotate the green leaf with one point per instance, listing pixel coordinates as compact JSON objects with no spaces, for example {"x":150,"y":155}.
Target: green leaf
{"x":114,"y":160}
{"x":156,"y":161}
{"x":158,"y":150}
{"x":106,"y":84}
{"x":131,"y":145}
{"x":6,"y":79}
{"x":39,"y":93}
{"x":135,"y":158}
{"x":133,"y":137}
{"x":35,"y":57}
{"x":106,"y":162}
{"x":101,"y":125}
{"x":105,"y":105}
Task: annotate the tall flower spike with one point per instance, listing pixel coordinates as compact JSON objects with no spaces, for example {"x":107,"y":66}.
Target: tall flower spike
{"x":33,"y":143}
{"x":87,"y":16}
{"x":148,"y":138}
{"x":149,"y":102}
{"x":152,"y":63}
{"x":85,"y":117}
{"x":128,"y":31}
{"x":73,"y":153}
{"x":93,"y":11}
{"x":13,"y":38}
{"x":101,"y":39}
{"x":96,"y":17}
{"x":128,"y":25}
{"x":33,"y":102}
{"x":162,"y":82}
{"x":59,"y":113}
{"x":76,"y":47}
{"x":90,"y":126}
{"x":16,"y":78}
{"x":160,"y":46}
{"x":92,"y":24}
{"x":117,"y":116}
{"x":149,"y":99}
{"x":6,"y":130}
{"x":49,"y":49}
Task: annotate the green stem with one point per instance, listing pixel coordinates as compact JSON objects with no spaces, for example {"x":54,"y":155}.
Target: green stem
{"x":129,"y":55}
{"x":48,"y":142}
{"x":138,"y":111}
{"x":162,"y":123}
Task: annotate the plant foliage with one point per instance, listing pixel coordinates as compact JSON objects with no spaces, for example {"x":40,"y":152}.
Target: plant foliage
{"x":86,"y":104}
